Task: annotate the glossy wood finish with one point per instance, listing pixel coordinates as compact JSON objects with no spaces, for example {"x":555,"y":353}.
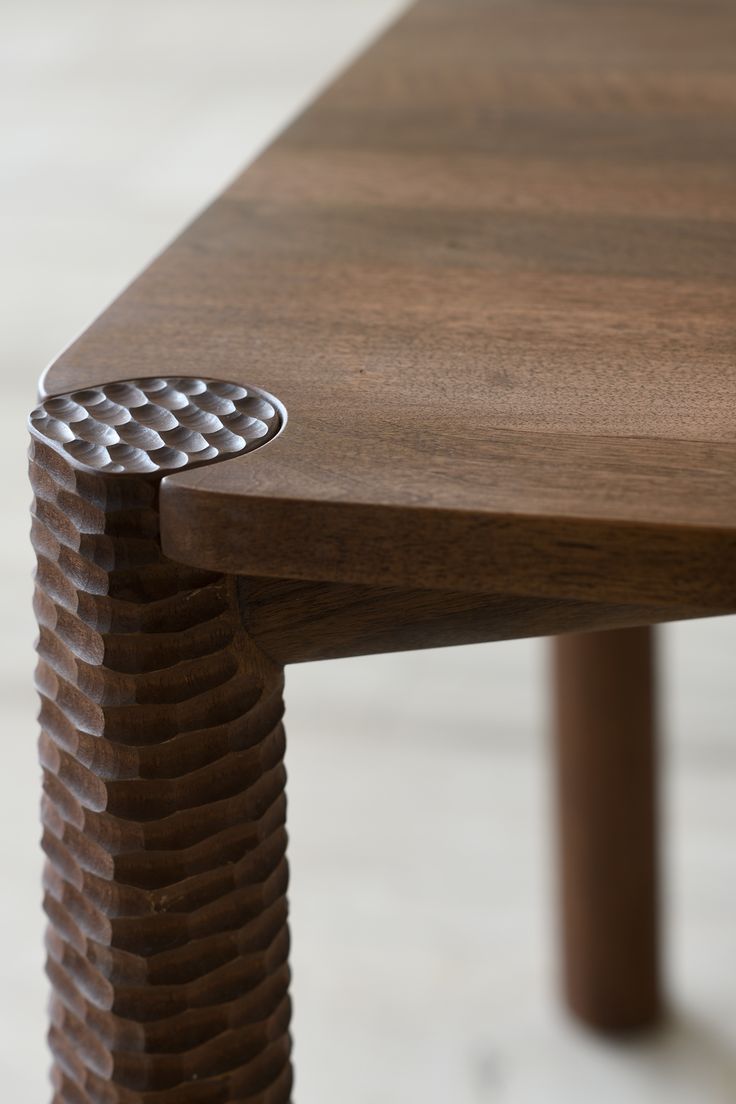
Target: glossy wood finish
{"x":607,"y":803}
{"x":162,"y":748}
{"x":490,"y":274}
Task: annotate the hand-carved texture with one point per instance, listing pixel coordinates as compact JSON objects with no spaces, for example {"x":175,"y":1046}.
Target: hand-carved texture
{"x":156,"y":425}
{"x":164,"y":810}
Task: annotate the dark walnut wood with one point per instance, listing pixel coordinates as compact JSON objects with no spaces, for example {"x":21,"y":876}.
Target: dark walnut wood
{"x":162,"y":748}
{"x":297,"y":621}
{"x":607,"y":802}
{"x":489,"y":278}
{"x":491,"y":275}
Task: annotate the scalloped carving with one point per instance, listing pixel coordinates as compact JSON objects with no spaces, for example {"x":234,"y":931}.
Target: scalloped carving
{"x":162,"y":751}
{"x":157,"y":425}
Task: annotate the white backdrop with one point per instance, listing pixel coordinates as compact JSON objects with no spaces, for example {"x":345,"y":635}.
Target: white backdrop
{"x":414,"y":979}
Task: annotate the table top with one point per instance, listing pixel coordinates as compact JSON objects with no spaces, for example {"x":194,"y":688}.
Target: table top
{"x":491,"y":276}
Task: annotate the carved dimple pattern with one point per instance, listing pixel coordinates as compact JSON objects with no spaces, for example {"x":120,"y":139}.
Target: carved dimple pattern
{"x":164,"y":809}
{"x":157,"y":425}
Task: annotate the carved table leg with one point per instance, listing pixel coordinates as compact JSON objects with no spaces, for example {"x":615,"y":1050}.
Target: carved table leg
{"x":162,"y":749}
{"x":607,"y":814}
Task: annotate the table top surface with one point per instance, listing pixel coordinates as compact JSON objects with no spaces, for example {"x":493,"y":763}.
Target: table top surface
{"x":491,"y":276}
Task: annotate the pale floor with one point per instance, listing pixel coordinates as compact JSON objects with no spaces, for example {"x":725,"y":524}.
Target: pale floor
{"x":421,"y":850}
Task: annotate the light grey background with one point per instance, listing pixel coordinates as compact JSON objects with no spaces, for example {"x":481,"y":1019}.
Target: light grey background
{"x":420,"y":822}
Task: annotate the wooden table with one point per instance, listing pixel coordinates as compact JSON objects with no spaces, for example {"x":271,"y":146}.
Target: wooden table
{"x":452,"y":361}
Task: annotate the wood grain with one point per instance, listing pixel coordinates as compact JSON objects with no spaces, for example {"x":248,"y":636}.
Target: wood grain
{"x":295,"y":621}
{"x":162,"y":749}
{"x":489,"y":278}
{"x":491,"y":274}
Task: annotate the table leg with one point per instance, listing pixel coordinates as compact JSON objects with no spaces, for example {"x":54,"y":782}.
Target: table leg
{"x":164,"y":811}
{"x":606,"y":772}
